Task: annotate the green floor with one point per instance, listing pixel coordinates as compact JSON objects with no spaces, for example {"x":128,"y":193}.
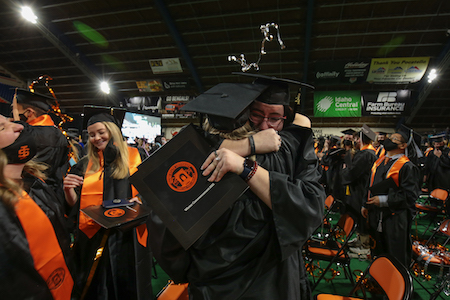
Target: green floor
{"x":341,"y":285}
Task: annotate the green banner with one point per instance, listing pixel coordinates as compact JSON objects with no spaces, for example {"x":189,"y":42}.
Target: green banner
{"x":337,"y":104}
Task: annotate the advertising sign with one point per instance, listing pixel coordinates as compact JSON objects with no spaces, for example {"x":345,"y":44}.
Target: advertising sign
{"x":341,"y":72}
{"x":166,"y":65}
{"x":397,"y":70}
{"x":395,"y":103}
{"x":337,"y":104}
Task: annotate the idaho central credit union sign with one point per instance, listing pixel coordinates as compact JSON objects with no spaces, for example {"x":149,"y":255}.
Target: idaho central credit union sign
{"x":337,"y":104}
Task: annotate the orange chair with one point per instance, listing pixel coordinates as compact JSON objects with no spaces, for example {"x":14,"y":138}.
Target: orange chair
{"x":331,"y":249}
{"x":389,"y":273}
{"x":173,"y":291}
{"x":435,"y":204}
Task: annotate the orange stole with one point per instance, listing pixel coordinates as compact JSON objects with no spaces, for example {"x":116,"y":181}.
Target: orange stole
{"x":393,"y":171}
{"x":44,"y":248}
{"x":44,"y":120}
{"x":92,"y":194}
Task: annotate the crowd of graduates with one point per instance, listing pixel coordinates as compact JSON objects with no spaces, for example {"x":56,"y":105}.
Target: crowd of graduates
{"x":353,"y":163}
{"x":49,"y":176}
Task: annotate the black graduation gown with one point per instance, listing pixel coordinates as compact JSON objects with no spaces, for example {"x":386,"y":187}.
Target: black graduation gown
{"x":333,"y":162}
{"x":18,"y":277}
{"x":396,"y":219}
{"x":356,"y":176}
{"x":437,"y":170}
{"x":252,"y":252}
{"x":124,"y":270}
{"x":53,"y":150}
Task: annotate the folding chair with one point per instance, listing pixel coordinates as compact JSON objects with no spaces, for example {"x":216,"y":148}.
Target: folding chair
{"x":331,"y":249}
{"x":435,"y":205}
{"x":393,"y":278}
{"x":173,"y":291}
{"x":432,"y":253}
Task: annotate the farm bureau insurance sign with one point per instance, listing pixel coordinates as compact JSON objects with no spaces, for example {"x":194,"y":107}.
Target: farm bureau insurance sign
{"x":386,"y":103}
{"x":337,"y":104}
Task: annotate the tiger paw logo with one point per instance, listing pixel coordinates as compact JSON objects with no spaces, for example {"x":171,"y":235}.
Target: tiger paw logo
{"x":56,"y":278}
{"x":114,"y":212}
{"x":182,"y":176}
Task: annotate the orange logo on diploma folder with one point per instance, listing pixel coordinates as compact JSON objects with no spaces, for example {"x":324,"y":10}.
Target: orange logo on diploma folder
{"x":182,"y":176}
{"x":114,"y":212}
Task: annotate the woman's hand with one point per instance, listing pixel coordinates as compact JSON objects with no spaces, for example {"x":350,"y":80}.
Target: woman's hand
{"x":72,"y":181}
{"x":220,"y":162}
{"x":267,"y":141}
{"x":364,"y":212}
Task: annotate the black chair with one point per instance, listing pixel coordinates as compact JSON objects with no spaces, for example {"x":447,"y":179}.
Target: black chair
{"x":332,"y":248}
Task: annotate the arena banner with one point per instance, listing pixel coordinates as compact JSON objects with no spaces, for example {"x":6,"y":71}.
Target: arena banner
{"x":397,"y":70}
{"x":166,"y":65}
{"x":337,"y":104}
{"x":341,"y":72}
{"x":396,"y":103}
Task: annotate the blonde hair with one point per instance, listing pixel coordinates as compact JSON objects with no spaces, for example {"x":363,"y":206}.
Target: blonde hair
{"x":9,"y":190}
{"x":120,"y":164}
{"x":238,"y":134}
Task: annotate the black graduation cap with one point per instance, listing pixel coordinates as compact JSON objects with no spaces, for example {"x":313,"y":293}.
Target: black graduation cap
{"x":382,"y":133}
{"x":226,"y":104}
{"x":278,"y":88}
{"x":409,"y":135}
{"x":437,"y":138}
{"x":38,"y":100}
{"x":94,"y":114}
{"x":413,"y":140}
{"x":348,"y":131}
{"x":368,"y":132}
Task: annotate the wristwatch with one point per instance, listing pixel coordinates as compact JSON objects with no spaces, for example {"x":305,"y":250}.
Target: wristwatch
{"x":250,"y":167}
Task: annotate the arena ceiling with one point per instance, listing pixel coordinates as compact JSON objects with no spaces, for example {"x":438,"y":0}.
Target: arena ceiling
{"x":80,"y":42}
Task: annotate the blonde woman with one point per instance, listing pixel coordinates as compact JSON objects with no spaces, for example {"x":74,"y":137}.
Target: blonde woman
{"x":34,"y":244}
{"x":100,"y":176}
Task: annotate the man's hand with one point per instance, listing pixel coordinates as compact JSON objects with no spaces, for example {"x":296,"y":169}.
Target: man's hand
{"x":437,"y":152}
{"x":374,"y":200}
{"x":364,"y":212}
{"x":267,"y":141}
{"x":220,"y":162}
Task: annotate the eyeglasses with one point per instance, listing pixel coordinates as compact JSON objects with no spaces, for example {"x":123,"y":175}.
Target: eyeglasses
{"x":272,"y":121}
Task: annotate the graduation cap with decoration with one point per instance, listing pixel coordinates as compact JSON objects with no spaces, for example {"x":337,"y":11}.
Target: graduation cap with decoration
{"x":226,"y":104}
{"x":94,"y":114}
{"x":277,"y":91}
{"x":34,"y":99}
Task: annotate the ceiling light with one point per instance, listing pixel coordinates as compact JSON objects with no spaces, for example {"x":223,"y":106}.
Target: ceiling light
{"x":29,"y":15}
{"x":105,"y":87}
{"x":432,"y":75}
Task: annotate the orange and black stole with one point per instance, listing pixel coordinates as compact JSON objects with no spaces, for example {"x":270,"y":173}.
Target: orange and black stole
{"x":44,"y":247}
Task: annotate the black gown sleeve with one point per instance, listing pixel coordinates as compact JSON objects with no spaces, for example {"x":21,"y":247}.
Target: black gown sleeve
{"x":296,"y":194}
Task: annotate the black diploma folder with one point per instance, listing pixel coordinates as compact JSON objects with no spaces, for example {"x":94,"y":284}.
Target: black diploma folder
{"x":122,"y":218}
{"x":172,"y":185}
{"x":382,"y":187}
